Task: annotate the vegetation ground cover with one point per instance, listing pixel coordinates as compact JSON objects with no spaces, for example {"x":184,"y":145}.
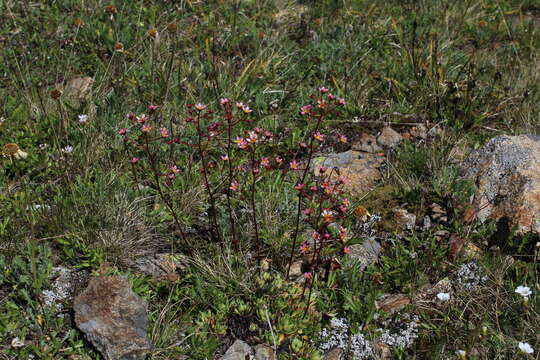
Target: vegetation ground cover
{"x":95,"y":185}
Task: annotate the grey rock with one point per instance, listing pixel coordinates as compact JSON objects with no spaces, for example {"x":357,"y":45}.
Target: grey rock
{"x":404,"y":219}
{"x":160,"y":265}
{"x":264,"y":352}
{"x":359,"y":168}
{"x":113,"y":318}
{"x":239,"y":350}
{"x":507,"y":173}
{"x":367,"y":143}
{"x":366,"y":253}
{"x":335,"y":354}
{"x":389,"y":137}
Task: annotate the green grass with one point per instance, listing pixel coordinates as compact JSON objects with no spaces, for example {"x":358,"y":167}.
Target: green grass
{"x":469,"y":66}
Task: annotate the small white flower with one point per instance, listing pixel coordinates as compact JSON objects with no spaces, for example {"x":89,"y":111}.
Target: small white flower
{"x":523,"y":291}
{"x":17,"y":343}
{"x":462,"y":354}
{"x":526,"y":348}
{"x":68,"y":149}
{"x":83,"y":118}
{"x":443,"y":296}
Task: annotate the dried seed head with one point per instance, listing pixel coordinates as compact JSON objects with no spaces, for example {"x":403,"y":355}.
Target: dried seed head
{"x":172,"y":28}
{"x":55,"y":94}
{"x":78,"y":22}
{"x":11,"y":149}
{"x":110,"y":9}
{"x":152,"y":32}
{"x":118,"y":46}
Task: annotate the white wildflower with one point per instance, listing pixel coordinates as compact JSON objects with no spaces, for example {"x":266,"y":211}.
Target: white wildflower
{"x":17,"y":343}
{"x":462,"y":354}
{"x":443,"y":296}
{"x":523,"y":291}
{"x":83,"y":118}
{"x":526,"y":348}
{"x":68,"y":149}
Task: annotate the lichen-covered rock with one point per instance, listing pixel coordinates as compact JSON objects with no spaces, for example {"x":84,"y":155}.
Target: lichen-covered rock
{"x":359,"y":168}
{"x":366,"y":253}
{"x":113,"y":318}
{"x":264,"y":352}
{"x":507,"y":175}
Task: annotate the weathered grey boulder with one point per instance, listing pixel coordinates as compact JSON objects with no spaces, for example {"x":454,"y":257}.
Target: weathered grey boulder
{"x":507,"y":175}
{"x":113,"y":318}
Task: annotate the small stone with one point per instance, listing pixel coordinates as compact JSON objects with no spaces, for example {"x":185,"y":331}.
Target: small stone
{"x":404,"y":219}
{"x":426,"y":223}
{"x":296,"y":270}
{"x":389,"y":137}
{"x":391,"y":303}
{"x":366,"y":253}
{"x":113,"y":318}
{"x":239,"y":350}
{"x":336,"y":354}
{"x":383,"y":351}
{"x":359,"y":168}
{"x":367,"y":143}
{"x":419,"y":132}
{"x":264,"y":352}
{"x":428,"y":293}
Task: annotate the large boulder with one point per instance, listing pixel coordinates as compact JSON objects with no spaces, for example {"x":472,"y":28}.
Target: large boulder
{"x":113,"y":318}
{"x":507,"y":175}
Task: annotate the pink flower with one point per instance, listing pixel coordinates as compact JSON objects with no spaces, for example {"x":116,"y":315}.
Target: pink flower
{"x":343,"y":208}
{"x":321,"y":104}
{"x":331,"y":97}
{"x":308,"y":275}
{"x":242,"y":144}
{"x":173,"y":169}
{"x":299,"y":187}
{"x":343,"y":233}
{"x":328,"y":215}
{"x":316,"y":236}
{"x":225,"y":157}
{"x":153,"y":107}
{"x":134,"y":160}
{"x":318,"y":136}
{"x":323,"y":90}
{"x":240,"y":105}
{"x":307,"y":212}
{"x":131,"y":116}
{"x":305,"y":110}
{"x":302,"y":145}
{"x":347,"y":249}
{"x":341,"y":101}
{"x":252,"y":137}
{"x":200,"y":107}
{"x":304,"y":247}
{"x":323,"y":169}
{"x":265,"y":162}
{"x":279,"y":160}
{"x":342,"y":139}
{"x":268,"y":134}
{"x":294,"y":165}
{"x":141,"y":119}
{"x":346,"y":202}
{"x":246,"y":109}
{"x":146,"y":128}
{"x":164,"y":132}
{"x":122,"y":131}
{"x":224,"y":101}
{"x":235,"y":186}
{"x":342,"y":179}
